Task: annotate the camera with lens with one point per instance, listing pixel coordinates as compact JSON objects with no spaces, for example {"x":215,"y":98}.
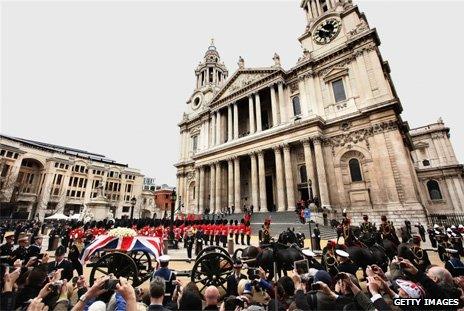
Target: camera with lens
{"x":56,"y":286}
{"x":110,"y":284}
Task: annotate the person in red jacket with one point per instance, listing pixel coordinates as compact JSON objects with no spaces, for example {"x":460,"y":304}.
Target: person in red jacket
{"x":217,"y":231}
{"x":236,"y":230}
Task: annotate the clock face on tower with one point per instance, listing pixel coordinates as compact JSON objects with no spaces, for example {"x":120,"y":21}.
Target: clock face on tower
{"x":326,"y":31}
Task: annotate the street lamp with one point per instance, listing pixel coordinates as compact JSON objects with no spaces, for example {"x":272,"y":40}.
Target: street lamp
{"x":132,"y":202}
{"x":171,"y":225}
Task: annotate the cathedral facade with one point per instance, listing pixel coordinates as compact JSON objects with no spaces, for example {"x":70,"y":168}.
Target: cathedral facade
{"x":329,"y":128}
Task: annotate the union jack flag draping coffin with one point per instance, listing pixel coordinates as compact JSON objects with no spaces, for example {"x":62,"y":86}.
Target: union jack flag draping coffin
{"x":152,"y":245}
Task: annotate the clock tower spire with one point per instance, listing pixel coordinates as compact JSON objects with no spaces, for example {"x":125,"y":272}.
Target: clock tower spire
{"x":211,"y":72}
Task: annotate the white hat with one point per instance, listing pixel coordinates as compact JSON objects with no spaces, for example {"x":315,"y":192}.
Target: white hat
{"x":451,"y":250}
{"x":341,"y":253}
{"x":308,"y":253}
{"x":412,"y":289}
{"x":453,"y":227}
{"x":448,"y":230}
{"x":436,"y":232}
{"x":435,"y":226}
{"x":460,"y":226}
{"x":164,"y":258}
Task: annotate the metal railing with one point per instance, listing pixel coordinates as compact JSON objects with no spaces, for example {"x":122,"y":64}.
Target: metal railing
{"x":446,"y":219}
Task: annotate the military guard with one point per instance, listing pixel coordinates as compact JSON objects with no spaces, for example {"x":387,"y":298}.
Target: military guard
{"x":387,"y":231}
{"x":344,"y":262}
{"x":366,"y":226}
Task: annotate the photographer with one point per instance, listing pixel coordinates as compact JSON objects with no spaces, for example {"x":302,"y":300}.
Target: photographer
{"x":257,"y":289}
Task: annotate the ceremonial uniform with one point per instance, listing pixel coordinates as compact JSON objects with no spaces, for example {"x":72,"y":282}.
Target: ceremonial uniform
{"x":169,"y":278}
{"x":455,"y":266}
{"x":387,"y":231}
{"x":189,"y":240}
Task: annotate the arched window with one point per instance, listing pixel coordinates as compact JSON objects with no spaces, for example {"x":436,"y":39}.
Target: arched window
{"x":303,"y":175}
{"x":434,"y":190}
{"x":355,"y":170}
{"x":296,"y":106}
{"x":426,"y":163}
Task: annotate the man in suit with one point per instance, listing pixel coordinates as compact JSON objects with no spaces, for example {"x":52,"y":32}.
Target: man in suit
{"x":234,"y":279}
{"x":21,"y":251}
{"x":7,"y":248}
{"x":61,"y":263}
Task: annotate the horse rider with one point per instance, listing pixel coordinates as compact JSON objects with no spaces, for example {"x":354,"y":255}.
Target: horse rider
{"x":422,"y":260}
{"x":366,"y":226}
{"x":387,"y":231}
{"x":168,"y":275}
{"x":347,"y":233}
{"x":406,"y":232}
{"x":421,"y":230}
{"x":345,"y":264}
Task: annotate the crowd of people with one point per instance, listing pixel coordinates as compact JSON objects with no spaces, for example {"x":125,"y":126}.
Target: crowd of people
{"x":34,"y":279}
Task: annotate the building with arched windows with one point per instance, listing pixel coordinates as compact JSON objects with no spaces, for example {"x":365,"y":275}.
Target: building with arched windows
{"x":39,"y":179}
{"x":329,"y":127}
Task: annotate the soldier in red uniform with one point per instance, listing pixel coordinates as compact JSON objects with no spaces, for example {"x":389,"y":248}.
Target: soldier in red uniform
{"x":217,"y":232}
{"x":231,"y":229}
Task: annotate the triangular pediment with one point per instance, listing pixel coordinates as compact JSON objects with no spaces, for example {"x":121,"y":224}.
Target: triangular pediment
{"x":241,"y":79}
{"x":335,"y":73}
{"x":421,"y":145}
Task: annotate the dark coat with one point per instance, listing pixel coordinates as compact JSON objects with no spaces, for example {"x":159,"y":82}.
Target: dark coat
{"x":232,"y":284}
{"x":67,"y":267}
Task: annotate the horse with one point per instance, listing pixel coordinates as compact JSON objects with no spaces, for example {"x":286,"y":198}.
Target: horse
{"x":414,"y":254}
{"x":282,"y":255}
{"x":365,"y":251}
{"x":289,"y":237}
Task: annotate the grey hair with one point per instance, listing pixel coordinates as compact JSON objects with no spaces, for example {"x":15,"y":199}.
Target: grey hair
{"x":157,"y":287}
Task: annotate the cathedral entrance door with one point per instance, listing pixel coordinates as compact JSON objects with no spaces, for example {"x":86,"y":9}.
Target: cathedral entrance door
{"x":269,"y":194}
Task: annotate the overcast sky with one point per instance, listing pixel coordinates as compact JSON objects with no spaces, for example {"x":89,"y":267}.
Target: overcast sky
{"x":113,"y":77}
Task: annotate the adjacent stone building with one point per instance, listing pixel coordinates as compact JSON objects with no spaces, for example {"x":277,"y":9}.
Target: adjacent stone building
{"x":329,"y":127}
{"x":39,"y":179}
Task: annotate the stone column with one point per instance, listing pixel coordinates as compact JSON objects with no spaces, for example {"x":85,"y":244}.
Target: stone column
{"x":310,"y":166}
{"x":254,"y":181}
{"x":310,"y":12}
{"x":289,"y":178}
{"x":259,"y":126}
{"x":279,"y":180}
{"x":229,"y":123}
{"x":197,"y":189}
{"x":212,"y":187}
{"x":275,"y":121}
{"x":251,"y":114}
{"x":235,"y":121}
{"x":282,"y":103}
{"x":262,"y":181}
{"x":230,"y":182}
{"x":218,"y":128}
{"x":321,"y":175}
{"x":218,"y":187}
{"x":213,"y":129}
{"x":237,"y":193}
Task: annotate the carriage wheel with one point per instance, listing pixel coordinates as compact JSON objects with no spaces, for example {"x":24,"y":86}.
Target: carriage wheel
{"x":118,"y":264}
{"x":210,"y":249}
{"x":212,"y":269}
{"x":143,"y":262}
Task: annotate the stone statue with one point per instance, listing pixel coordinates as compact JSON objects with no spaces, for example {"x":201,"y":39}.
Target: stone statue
{"x":100,"y":191}
{"x":241,"y":62}
{"x":276,"y":60}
